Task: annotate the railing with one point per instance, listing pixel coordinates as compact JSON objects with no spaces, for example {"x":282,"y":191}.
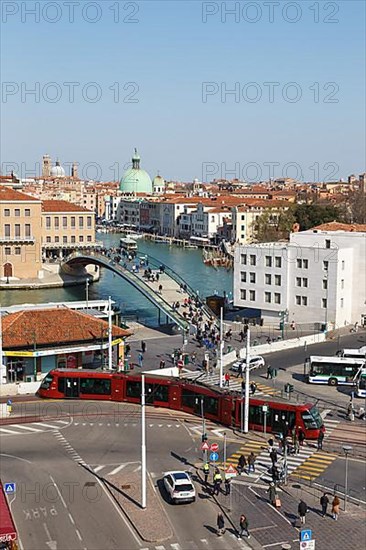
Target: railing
{"x":17,"y":239}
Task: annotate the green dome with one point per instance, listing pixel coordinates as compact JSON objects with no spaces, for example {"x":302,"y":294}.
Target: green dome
{"x":135,"y":180}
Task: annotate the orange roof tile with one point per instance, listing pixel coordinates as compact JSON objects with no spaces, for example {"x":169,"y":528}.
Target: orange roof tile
{"x":54,"y":326}
{"x":9,"y":194}
{"x":62,"y":206}
{"x":336,"y":226}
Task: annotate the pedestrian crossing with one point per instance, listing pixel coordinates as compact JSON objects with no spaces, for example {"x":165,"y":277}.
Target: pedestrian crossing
{"x":104,"y":470}
{"x":234,"y":385}
{"x":33,"y":427}
{"x":228,"y":541}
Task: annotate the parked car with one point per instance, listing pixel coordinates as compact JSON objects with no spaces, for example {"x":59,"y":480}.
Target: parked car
{"x":179,"y":487}
{"x":254,"y":363}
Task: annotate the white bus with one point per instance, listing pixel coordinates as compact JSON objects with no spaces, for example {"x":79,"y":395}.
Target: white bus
{"x":357,"y":353}
{"x":360,"y":380}
{"x":332,"y":370}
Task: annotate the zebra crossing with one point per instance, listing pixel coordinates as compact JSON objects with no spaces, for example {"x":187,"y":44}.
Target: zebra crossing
{"x":227,"y":541}
{"x":32,"y":427}
{"x":104,"y":470}
{"x":234,"y":385}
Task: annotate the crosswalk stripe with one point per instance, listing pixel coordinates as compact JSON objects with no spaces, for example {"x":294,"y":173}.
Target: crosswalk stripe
{"x":26,"y":428}
{"x":116,"y":470}
{"x":310,"y":468}
{"x":6,"y":431}
{"x":98,"y":468}
{"x":46,"y":425}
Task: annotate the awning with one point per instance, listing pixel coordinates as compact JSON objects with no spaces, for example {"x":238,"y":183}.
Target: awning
{"x":7,"y":527}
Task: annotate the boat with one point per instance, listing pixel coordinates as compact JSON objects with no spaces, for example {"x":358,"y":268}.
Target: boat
{"x":135,"y":236}
{"x":128,"y":243}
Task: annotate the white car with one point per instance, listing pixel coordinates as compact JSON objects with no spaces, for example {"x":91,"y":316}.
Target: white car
{"x":179,"y":487}
{"x":254,"y":363}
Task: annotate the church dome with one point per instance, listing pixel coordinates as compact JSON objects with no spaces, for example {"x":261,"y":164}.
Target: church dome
{"x":57,"y":171}
{"x":136,"y":180}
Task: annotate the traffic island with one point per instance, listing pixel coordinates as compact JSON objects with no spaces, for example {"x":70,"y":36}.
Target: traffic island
{"x":151,"y":523}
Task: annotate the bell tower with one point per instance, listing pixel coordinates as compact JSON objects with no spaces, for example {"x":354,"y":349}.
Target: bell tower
{"x":46,"y":166}
{"x":74,"y":170}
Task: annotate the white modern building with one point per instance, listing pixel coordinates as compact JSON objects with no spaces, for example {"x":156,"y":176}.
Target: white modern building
{"x":319,"y":276}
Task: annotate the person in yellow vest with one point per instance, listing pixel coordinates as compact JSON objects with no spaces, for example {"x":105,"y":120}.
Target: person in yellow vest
{"x":206,"y":471}
{"x":217,"y":479}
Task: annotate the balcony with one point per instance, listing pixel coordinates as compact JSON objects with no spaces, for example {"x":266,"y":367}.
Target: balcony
{"x":14,"y":240}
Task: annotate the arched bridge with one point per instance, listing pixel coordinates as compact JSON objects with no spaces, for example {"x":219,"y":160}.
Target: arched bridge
{"x":173,"y":287}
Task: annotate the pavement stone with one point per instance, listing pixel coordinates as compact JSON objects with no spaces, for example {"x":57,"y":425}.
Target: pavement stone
{"x":151,"y":523}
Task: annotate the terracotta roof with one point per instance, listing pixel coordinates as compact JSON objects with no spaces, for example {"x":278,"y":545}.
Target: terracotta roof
{"x":55,"y":326}
{"x":62,"y":206}
{"x":336,"y":226}
{"x":9,"y":194}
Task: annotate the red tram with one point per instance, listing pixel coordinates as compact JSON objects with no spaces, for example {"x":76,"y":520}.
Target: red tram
{"x":183,"y":395}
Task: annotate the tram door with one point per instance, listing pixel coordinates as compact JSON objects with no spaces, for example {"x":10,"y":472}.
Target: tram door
{"x":72,"y":387}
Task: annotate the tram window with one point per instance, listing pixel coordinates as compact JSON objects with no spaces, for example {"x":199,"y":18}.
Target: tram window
{"x":188,"y":399}
{"x":309,"y":421}
{"x":210,"y":405}
{"x":255,"y":414}
{"x":161,"y":393}
{"x":133,"y":389}
{"x":96,"y":386}
{"x":61,"y":385}
{"x":46,"y":382}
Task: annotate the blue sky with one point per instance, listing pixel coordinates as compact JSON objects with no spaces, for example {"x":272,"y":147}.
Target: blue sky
{"x":163,"y":60}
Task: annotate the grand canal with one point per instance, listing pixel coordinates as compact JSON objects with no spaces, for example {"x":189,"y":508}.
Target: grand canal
{"x":186,"y":262}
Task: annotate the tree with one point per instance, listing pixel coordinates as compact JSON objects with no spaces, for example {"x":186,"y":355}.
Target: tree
{"x":357,"y":206}
{"x":274,"y":225}
{"x":311,"y":215}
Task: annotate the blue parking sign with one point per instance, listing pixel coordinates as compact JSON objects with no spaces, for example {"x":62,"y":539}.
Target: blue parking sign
{"x":306,"y":535}
{"x":9,"y":488}
{"x":214,"y":457}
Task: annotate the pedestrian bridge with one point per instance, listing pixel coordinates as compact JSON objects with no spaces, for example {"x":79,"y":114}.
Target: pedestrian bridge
{"x":172,"y":284}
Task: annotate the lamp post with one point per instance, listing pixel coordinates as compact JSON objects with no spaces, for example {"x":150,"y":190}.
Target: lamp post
{"x":87,"y":292}
{"x":143,"y":444}
{"x":347,"y":449}
{"x":247,"y":367}
{"x":221,"y":346}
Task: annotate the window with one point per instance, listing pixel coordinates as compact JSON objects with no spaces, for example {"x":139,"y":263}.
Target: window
{"x":299,"y":263}
{"x":89,"y":221}
{"x":243,"y":259}
{"x":7,"y":251}
{"x":305,"y":264}
{"x":81,"y":239}
{"x":325,"y":284}
{"x":342,"y":265}
{"x":48,"y":239}
{"x":268,"y":279}
{"x":243,"y":294}
{"x":57,"y":222}
{"x":342,"y":283}
{"x":95,"y":386}
{"x":212,"y":219}
{"x":267,"y":297}
{"x":253,"y":259}
{"x":27,"y":229}
{"x":89,"y":238}
{"x":48,"y":222}
{"x":73,"y":238}
{"x":64,"y":239}
{"x":325,"y":265}
{"x":298,"y":300}
{"x":324,"y":302}
{"x":243,"y":217}
{"x":57,"y":239}
{"x":277,"y":298}
{"x":298,"y":281}
{"x":27,"y":212}
{"x":242,"y":228}
{"x":243,"y":276}
{"x":305,"y":282}
{"x":278,"y":261}
{"x":327,"y":243}
{"x":17,"y":212}
{"x":17,"y":229}
{"x":17,"y":250}
{"x":268,"y":261}
{"x":252,"y":277}
{"x":342,"y":302}
{"x":277,"y":279}
{"x":73,"y":222}
{"x":304,"y":300}
{"x":81,"y":222}
{"x":252,"y":295}
{"x":64,"y":221}
{"x":7,"y":212}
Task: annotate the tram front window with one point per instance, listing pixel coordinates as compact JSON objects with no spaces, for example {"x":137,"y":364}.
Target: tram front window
{"x":312,"y":419}
{"x":46,"y":382}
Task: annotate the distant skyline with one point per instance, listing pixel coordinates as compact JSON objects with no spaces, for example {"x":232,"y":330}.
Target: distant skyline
{"x":267,"y":90}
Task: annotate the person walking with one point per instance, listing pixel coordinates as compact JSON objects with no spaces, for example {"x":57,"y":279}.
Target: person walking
{"x":270,"y":445}
{"x":162,"y":364}
{"x":296,"y":446}
{"x":335,"y":507}
{"x":244,"y":526}
{"x":220,"y":524}
{"x":301,"y":437}
{"x":227,"y":379}
{"x":253,"y":388}
{"x":240,"y":371}
{"x":140,"y":359}
{"x":324,"y":501}
{"x":269,"y":372}
{"x":251,"y":462}
{"x":217,"y":479}
{"x":320,"y":441}
{"x":143,"y":346}
{"x":206,"y":471}
{"x":302,"y":509}
{"x":272,"y":493}
{"x":242,"y":463}
{"x":273,"y":456}
{"x":227,"y":486}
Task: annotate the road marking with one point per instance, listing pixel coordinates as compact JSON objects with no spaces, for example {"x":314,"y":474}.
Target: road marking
{"x":71,"y":519}
{"x":26,"y":428}
{"x":176,"y":546}
{"x":159,"y":547}
{"x":4,"y":430}
{"x":46,"y":425}
{"x":116,"y":470}
{"x":137,"y":469}
{"x":78,"y":534}
{"x":98,"y":468}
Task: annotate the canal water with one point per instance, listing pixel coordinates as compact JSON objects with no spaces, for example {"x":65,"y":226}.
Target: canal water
{"x":186,"y":262}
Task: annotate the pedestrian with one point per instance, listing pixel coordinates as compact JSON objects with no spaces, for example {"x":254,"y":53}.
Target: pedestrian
{"x":320,"y":440}
{"x":141,"y":358}
{"x":297,"y":446}
{"x":301,"y":437}
{"x":361,"y":413}
{"x":160,"y":292}
{"x":143,"y":346}
{"x":351,"y":411}
{"x":275,"y":474}
{"x":193,"y":358}
{"x":251,"y":462}
{"x":270,"y":444}
{"x":302,"y":509}
{"x":162,"y":364}
{"x":240,"y":370}
{"x":227,"y":379}
{"x":243,"y":387}
{"x":217,"y":479}
{"x":227,"y":486}
{"x":272,"y":493}
{"x":273,"y":456}
{"x":269,"y":372}
{"x":244,"y":526}
{"x":220,"y":524}
{"x":253,"y":388}
{"x":335,"y":507}
{"x":293,"y":325}
{"x":127,"y":350}
{"x":206,"y":471}
{"x":324,"y":501}
{"x":242,"y":336}
{"x":242,"y":463}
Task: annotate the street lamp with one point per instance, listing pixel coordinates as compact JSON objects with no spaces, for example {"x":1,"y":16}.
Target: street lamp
{"x":347,"y":449}
{"x":87,"y":292}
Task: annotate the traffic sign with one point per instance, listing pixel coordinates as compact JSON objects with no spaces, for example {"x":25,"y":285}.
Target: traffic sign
{"x":264,"y":408}
{"x":205,"y":446}
{"x":214,"y":447}
{"x":230,"y":471}
{"x":306,"y":534}
{"x":307,"y":545}
{"x":9,"y":488}
{"x":214,"y":457}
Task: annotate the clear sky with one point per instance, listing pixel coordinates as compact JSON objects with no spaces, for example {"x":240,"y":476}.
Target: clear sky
{"x":162,"y":71}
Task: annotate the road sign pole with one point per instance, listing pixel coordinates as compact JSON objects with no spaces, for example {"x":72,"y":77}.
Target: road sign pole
{"x":246,"y":405}
{"x":265,"y":422}
{"x":143,"y":444}
{"x":221,"y":346}
{"x":225,"y":450}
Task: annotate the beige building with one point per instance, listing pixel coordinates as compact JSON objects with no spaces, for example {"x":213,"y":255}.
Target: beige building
{"x":20,"y":235}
